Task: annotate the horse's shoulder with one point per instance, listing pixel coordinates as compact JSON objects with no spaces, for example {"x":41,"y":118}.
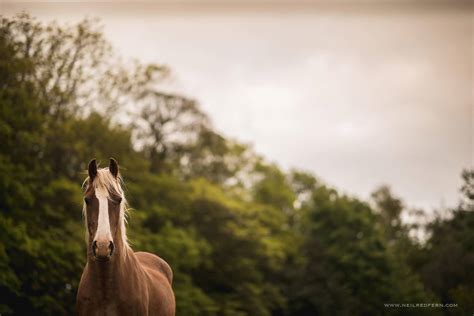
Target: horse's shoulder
{"x":154,"y":262}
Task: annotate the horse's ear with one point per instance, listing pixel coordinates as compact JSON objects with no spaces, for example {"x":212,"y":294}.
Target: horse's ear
{"x":113,"y":167}
{"x":92,"y":169}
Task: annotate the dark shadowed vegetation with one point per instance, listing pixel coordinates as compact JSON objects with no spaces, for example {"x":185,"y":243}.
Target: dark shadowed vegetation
{"x":243,"y":236}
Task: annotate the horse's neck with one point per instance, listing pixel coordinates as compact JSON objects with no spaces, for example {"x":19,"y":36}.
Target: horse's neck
{"x":110,"y":277}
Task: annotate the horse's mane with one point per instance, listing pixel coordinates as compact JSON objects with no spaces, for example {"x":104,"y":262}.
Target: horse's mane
{"x":105,"y":183}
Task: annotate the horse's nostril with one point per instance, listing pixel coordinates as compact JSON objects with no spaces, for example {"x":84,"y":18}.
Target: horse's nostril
{"x":111,"y":247}
{"x":94,"y":247}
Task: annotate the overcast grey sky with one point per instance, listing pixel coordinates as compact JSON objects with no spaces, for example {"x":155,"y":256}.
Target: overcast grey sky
{"x":359,"y":94}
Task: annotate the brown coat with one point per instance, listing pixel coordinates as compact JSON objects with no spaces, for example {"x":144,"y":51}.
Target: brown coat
{"x":117,"y":281}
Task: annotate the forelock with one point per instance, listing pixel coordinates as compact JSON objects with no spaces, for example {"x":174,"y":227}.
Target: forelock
{"x":105,"y":183}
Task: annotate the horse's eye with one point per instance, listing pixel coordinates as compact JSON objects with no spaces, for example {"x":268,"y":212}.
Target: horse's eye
{"x":117,"y":200}
{"x":87,"y":200}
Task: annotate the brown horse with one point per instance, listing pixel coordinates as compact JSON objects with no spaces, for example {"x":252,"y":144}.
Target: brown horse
{"x":116,"y":280}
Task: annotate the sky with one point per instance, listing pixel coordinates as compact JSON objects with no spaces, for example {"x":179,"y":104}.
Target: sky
{"x":359,"y":94}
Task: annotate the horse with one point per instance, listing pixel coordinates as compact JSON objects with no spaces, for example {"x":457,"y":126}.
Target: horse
{"x":116,"y":280}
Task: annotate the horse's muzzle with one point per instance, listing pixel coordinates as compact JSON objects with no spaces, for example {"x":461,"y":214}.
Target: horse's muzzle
{"x":102,"y":250}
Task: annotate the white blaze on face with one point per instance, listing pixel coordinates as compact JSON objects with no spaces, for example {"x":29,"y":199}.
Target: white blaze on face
{"x":103,"y":226}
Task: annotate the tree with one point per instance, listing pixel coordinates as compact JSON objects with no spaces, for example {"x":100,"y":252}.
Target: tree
{"x":390,"y":210}
{"x":221,"y":160}
{"x":166,"y":124}
{"x":467,"y":190}
{"x":348,"y":268}
{"x":446,"y":263}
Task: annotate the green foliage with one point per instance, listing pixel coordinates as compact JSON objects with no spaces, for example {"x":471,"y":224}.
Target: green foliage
{"x":446,"y":264}
{"x":243,"y":237}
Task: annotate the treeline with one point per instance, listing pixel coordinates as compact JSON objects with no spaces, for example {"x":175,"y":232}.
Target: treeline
{"x":243,"y":236}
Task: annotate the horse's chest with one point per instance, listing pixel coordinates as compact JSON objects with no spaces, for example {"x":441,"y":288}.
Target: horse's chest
{"x":112,"y":308}
{"x":109,"y":309}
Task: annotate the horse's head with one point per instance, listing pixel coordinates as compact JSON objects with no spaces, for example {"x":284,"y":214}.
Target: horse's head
{"x":104,"y":208}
